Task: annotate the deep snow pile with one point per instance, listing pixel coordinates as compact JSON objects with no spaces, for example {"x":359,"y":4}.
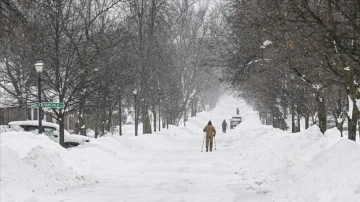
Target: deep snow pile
{"x":305,"y":166}
{"x":33,"y":164}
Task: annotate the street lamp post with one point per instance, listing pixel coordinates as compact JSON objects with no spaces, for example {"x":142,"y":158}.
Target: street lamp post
{"x":136,"y":123}
{"x":39,"y":65}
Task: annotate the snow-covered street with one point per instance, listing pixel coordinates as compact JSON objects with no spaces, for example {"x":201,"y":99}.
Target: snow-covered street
{"x":252,"y":162}
{"x":118,"y":100}
{"x":167,"y":166}
{"x":171,"y":168}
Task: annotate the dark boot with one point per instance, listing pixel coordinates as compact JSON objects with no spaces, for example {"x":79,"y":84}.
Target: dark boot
{"x":206,"y":149}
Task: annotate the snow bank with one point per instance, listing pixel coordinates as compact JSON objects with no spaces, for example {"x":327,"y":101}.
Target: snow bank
{"x":305,"y":166}
{"x":32,"y":164}
{"x":3,"y":128}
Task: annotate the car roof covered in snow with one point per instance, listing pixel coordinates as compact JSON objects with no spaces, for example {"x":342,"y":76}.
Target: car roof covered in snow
{"x":33,"y":123}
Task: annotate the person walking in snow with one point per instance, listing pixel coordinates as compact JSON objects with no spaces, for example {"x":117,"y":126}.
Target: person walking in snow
{"x":224,"y":126}
{"x":237,"y":111}
{"x":210,"y":134}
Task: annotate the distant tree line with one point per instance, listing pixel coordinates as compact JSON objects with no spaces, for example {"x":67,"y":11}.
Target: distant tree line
{"x":296,"y":58}
{"x":97,"y":51}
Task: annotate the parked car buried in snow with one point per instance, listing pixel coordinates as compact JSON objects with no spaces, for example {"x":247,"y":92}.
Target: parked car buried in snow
{"x":234,"y":121}
{"x":51,"y":130}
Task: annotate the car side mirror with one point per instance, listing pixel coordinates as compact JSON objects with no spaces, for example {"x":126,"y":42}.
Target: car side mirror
{"x":56,"y":134}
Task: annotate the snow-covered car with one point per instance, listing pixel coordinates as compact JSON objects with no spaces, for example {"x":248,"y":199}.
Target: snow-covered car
{"x":234,"y":121}
{"x":51,"y":130}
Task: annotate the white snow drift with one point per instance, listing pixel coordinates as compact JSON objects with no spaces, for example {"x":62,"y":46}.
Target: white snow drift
{"x":252,"y":162}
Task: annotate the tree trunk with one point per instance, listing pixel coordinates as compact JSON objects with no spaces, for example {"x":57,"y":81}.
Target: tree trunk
{"x":145,"y":119}
{"x":96,"y":125}
{"x":321,"y":112}
{"x":103,"y":120}
{"x":292,"y":120}
{"x":154,"y":113}
{"x":103,"y":109}
{"x":340,"y":126}
{"x":352,"y":121}
{"x":352,"y":95}
{"x":164,"y":118}
{"x":62,"y":128}
{"x":298,"y":123}
{"x":193,"y":108}
{"x":81,"y":126}
{"x":159,"y":115}
{"x":185,"y":116}
{"x":109,"y":119}
{"x":167,"y":121}
{"x":120,"y":116}
{"x":307,"y":120}
{"x":274,"y":122}
{"x":266,"y":117}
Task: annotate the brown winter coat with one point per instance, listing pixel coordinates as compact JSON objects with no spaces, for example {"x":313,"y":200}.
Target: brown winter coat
{"x":210,"y":133}
{"x":210,"y":130}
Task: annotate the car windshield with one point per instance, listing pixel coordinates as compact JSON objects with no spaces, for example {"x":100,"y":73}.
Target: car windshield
{"x":49,"y":130}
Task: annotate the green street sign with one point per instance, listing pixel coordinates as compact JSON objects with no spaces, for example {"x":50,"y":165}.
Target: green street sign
{"x":35,"y":105}
{"x":48,"y":105}
{"x":52,"y":104}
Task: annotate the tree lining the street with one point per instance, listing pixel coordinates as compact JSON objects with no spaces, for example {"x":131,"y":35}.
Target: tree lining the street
{"x":313,"y":49}
{"x":97,"y":51}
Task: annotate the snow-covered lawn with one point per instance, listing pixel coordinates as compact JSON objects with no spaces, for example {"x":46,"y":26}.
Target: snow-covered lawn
{"x":252,"y":162}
